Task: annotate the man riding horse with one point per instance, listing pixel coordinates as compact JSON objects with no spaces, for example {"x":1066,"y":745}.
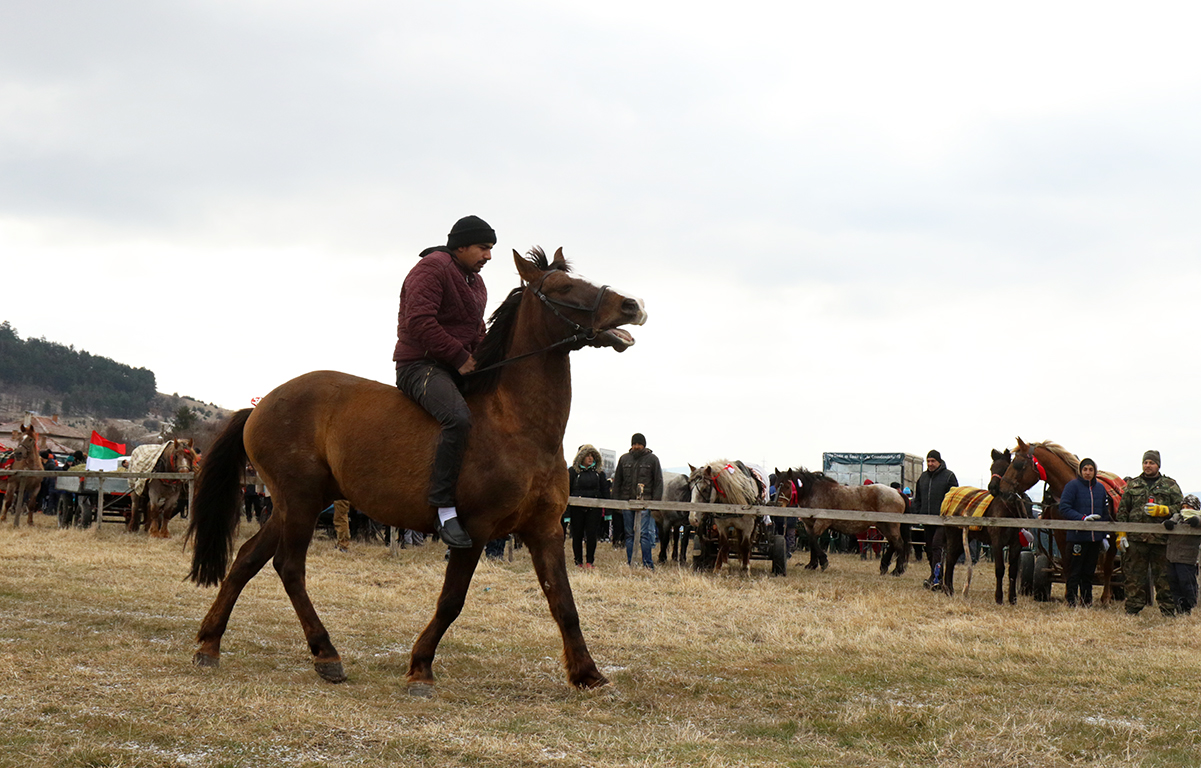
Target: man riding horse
{"x":440,"y":323}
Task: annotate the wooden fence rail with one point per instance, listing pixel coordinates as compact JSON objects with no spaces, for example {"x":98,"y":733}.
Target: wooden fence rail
{"x":102,"y":476}
{"x":734,"y":509}
{"x":884,"y":517}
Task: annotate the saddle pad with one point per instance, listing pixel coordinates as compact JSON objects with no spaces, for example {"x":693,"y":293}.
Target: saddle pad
{"x":143,"y":459}
{"x":1114,"y":486}
{"x":965,"y":501}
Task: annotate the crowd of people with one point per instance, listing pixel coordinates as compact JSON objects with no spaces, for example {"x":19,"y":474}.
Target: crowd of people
{"x":1167,"y":563}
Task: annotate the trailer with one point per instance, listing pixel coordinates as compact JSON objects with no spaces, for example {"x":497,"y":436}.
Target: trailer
{"x":78,"y":499}
{"x":886,"y":468}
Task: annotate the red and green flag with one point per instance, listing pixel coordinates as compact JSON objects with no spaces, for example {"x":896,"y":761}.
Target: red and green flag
{"x":103,"y":454}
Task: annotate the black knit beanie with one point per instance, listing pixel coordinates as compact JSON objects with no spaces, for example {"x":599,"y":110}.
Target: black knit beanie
{"x":638,"y":439}
{"x":935,"y":455}
{"x":1088,"y":463}
{"x":470,"y":230}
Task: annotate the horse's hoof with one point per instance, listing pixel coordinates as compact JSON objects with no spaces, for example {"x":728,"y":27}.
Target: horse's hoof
{"x":421,"y":690}
{"x":204,"y":660}
{"x":330,"y":671}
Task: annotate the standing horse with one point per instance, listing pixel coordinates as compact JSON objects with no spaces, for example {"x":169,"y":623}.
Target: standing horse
{"x":306,"y":441}
{"x":997,"y":538}
{"x":668,"y":521}
{"x":158,"y":498}
{"x":813,"y":490}
{"x":725,"y":482}
{"x":1058,"y":466}
{"x":22,"y":491}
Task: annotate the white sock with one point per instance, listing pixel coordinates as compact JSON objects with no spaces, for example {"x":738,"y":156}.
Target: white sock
{"x":447,"y":513}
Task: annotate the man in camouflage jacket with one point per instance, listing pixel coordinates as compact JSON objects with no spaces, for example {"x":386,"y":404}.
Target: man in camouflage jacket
{"x":1148,"y":498}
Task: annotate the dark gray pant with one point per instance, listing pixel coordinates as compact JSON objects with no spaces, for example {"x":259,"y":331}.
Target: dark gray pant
{"x":433,"y":387}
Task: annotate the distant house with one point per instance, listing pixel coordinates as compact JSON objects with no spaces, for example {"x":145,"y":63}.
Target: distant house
{"x":52,"y":436}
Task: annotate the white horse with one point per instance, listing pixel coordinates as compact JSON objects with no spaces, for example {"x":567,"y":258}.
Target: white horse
{"x":727,"y":482}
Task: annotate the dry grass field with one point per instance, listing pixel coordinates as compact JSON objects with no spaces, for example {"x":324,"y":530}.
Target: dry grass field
{"x":843,"y":668}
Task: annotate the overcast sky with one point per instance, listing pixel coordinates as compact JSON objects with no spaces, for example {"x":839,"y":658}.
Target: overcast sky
{"x":857,"y":226}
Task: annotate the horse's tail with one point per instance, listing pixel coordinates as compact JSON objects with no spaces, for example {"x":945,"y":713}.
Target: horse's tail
{"x":215,"y":513}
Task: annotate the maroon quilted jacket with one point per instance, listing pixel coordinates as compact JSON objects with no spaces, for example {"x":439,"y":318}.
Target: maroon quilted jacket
{"x":441,"y":312}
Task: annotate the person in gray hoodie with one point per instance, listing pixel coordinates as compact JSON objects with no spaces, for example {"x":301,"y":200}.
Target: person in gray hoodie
{"x":1183,"y":552}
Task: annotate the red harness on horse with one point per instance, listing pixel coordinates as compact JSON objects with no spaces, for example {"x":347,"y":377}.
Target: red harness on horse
{"x":1042,"y":471}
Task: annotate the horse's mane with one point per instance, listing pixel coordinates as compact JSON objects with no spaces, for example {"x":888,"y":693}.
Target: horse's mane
{"x":1063,"y":454}
{"x":809,"y":481}
{"x":495,"y":345}
{"x":737,"y":487}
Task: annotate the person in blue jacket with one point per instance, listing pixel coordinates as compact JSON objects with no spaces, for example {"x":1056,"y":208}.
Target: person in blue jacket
{"x":1084,"y":498}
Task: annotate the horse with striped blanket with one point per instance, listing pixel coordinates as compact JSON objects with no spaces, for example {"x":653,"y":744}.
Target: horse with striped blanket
{"x":977,"y":502}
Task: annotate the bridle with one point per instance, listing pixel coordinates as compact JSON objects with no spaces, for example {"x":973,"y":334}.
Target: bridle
{"x":581,"y":333}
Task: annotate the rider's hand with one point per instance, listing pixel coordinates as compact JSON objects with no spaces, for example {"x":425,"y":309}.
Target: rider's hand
{"x":468,"y":366}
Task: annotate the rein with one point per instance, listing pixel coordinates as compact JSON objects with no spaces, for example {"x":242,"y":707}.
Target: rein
{"x":581,"y":333}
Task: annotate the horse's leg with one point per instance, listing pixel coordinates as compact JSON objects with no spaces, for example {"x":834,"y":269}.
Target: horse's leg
{"x":815,"y":545}
{"x":892,"y":532}
{"x":664,"y":535}
{"x":551,"y":569}
{"x":967,"y":561}
{"x":996,"y":540}
{"x":723,"y":549}
{"x":950,"y":558}
{"x":1107,"y":573}
{"x":1015,"y":563}
{"x":459,"y":570}
{"x":296,"y":533}
{"x":251,"y":558}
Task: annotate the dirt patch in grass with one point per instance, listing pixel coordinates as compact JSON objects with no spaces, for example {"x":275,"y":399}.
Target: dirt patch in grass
{"x":838,"y":668}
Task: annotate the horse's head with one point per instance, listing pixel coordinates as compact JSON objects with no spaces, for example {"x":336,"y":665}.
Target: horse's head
{"x":1000,"y":463}
{"x":1022,"y":473}
{"x":576,"y":307}
{"x":27,"y":446}
{"x":700,"y":480}
{"x":786,"y":488}
{"x":183,"y":459}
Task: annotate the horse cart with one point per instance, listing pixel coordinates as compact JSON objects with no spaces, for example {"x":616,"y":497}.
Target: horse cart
{"x":1046,"y":562}
{"x":78,"y":499}
{"x":766,"y":545}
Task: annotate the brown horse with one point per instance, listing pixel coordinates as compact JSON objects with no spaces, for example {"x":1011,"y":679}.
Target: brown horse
{"x":813,"y":490}
{"x":725,"y":482}
{"x":996,"y":538}
{"x":158,"y":498}
{"x":306,"y":441}
{"x":22,"y":491}
{"x":1058,"y":466}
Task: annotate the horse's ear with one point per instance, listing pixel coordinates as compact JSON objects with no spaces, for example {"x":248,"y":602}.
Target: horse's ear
{"x":997,"y":455}
{"x":691,"y":468}
{"x":1021,"y":446}
{"x":529,"y":273}
{"x":560,"y":261}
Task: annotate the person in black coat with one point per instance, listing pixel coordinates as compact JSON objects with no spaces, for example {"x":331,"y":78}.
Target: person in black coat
{"x":932,"y":486}
{"x":588,"y":481}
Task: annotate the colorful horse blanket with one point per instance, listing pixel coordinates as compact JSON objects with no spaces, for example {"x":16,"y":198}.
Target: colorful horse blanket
{"x":1114,"y":486}
{"x":143,"y":459}
{"x":965,"y":501}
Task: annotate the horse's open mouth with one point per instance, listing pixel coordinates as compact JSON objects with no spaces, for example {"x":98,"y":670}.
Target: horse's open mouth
{"x":614,"y":337}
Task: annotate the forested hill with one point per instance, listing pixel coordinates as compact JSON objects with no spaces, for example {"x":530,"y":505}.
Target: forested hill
{"x":85,"y":383}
